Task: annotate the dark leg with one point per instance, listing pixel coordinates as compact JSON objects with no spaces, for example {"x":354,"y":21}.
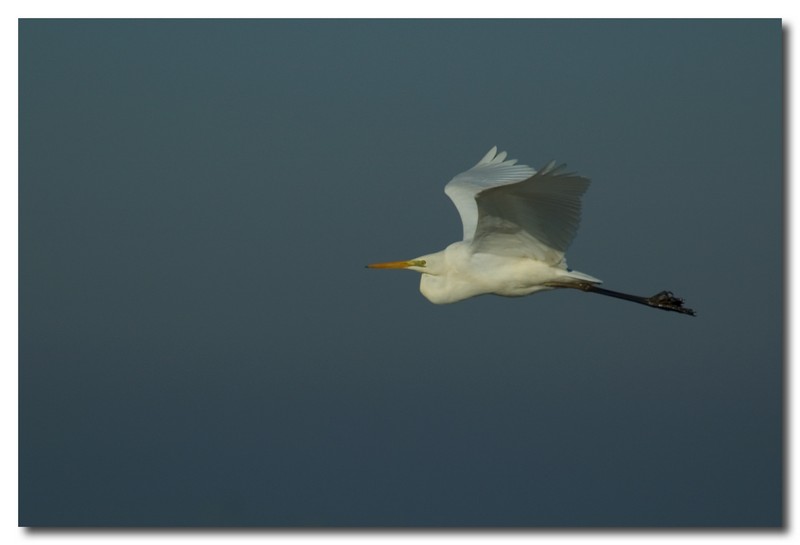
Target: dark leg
{"x":663,"y":300}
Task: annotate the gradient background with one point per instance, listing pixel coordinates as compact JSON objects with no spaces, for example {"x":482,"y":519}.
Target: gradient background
{"x":201,"y":345}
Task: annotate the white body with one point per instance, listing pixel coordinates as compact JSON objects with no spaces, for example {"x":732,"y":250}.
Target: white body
{"x":470,"y":274}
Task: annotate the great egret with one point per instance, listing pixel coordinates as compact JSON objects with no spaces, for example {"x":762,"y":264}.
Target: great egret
{"x":518,"y":223}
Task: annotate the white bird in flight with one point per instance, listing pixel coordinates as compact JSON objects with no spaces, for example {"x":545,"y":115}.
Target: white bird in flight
{"x":518,"y":222}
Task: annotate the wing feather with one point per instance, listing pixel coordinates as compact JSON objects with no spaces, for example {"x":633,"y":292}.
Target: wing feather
{"x":491,"y":171}
{"x":513,"y":210}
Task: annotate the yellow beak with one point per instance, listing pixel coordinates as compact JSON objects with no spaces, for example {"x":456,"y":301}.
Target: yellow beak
{"x":398,"y":264}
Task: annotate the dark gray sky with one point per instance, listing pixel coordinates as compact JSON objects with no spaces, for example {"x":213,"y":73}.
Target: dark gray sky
{"x":200,"y":343}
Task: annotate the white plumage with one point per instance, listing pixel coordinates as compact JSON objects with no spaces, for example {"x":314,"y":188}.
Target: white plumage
{"x":513,"y":210}
{"x":518,"y":223}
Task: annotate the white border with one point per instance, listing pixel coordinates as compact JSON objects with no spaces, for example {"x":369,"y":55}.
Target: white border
{"x":348,"y":8}
{"x":407,"y":8}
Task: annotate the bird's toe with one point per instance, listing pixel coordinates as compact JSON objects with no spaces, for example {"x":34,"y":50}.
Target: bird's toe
{"x":666,"y":300}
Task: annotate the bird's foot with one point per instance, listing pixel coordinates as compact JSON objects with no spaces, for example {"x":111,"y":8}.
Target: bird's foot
{"x":667,"y":301}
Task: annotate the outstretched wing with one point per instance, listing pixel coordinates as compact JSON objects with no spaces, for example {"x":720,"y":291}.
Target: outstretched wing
{"x":516,"y":211}
{"x":491,"y":171}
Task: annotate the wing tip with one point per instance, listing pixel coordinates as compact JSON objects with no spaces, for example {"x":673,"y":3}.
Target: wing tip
{"x":489,"y":157}
{"x":494,"y":157}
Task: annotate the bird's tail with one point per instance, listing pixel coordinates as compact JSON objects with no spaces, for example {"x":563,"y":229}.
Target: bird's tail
{"x":583,"y":277}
